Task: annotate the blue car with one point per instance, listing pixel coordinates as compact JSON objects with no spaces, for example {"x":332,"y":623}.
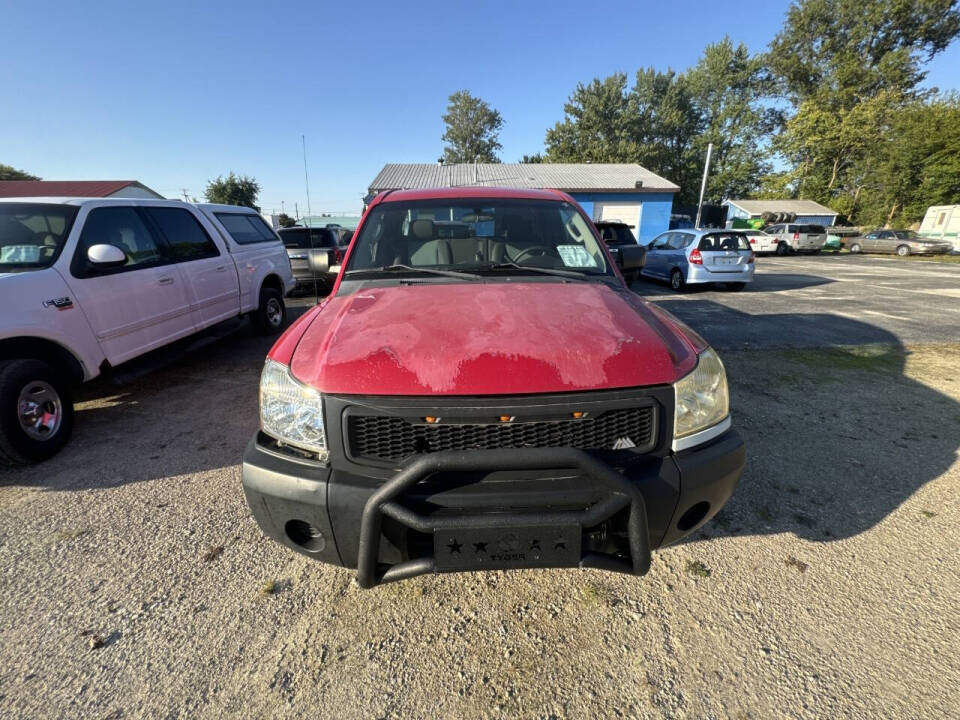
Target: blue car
{"x":693,"y":257}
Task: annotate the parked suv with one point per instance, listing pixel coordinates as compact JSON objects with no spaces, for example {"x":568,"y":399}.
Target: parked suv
{"x":301,"y":241}
{"x":793,"y":238}
{"x":694,"y":257}
{"x":617,"y":235}
{"x":86,"y":285}
{"x":495,"y":398}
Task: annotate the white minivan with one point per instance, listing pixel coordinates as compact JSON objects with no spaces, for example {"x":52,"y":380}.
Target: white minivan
{"x":88,"y":284}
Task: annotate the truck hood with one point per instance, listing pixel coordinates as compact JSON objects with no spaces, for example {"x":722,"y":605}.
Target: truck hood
{"x":489,"y":339}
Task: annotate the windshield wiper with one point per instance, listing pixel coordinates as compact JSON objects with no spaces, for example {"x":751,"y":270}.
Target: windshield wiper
{"x":432,"y":271}
{"x":546,"y":271}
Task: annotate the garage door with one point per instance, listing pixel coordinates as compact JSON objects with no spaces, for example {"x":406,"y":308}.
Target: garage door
{"x":630,"y":214}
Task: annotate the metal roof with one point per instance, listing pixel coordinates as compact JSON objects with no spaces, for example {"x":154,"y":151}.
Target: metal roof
{"x":569,"y":177}
{"x":66,"y":188}
{"x":800,"y":207}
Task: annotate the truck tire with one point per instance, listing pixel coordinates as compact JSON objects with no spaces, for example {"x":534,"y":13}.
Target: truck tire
{"x":36,"y":411}
{"x":783,"y":249}
{"x":271,"y":313}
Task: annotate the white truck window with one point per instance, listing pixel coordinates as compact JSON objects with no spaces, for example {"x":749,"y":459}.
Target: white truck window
{"x":122,"y":227}
{"x":184,"y":234}
{"x":245,"y":228}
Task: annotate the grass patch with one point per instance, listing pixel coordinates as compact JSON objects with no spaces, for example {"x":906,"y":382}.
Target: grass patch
{"x":928,"y":514}
{"x":591,"y":595}
{"x":873,"y":358}
{"x":272,"y":587}
{"x":698,"y":569}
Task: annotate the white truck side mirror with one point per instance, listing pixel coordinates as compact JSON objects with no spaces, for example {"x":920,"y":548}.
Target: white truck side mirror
{"x":106,"y":256}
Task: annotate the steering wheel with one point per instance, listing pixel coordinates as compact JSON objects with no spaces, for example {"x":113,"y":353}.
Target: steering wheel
{"x":533,"y":251}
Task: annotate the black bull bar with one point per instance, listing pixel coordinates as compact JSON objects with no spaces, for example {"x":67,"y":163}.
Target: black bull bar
{"x":386,"y":501}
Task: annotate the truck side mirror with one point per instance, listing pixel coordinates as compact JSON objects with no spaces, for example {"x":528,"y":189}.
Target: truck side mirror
{"x":318,"y":261}
{"x":106,"y":256}
{"x":632,"y":258}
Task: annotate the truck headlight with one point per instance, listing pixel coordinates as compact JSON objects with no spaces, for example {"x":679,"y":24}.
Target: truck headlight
{"x":291,"y":412}
{"x":701,"y":398}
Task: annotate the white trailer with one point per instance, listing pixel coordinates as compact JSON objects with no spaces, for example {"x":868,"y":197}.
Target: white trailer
{"x":942,"y":222}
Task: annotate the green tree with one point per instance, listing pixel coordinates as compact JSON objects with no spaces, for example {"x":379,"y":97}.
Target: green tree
{"x":842,"y":51}
{"x":285,"y":220}
{"x":597,"y":124}
{"x":472,"y":130}
{"x":11,"y":173}
{"x":848,"y":68}
{"x":665,"y":124}
{"x":729,"y":87}
{"x":535,"y":159}
{"x":666,"y":119}
{"x":233,"y":190}
{"x":831,"y":154}
{"x":917,"y":164}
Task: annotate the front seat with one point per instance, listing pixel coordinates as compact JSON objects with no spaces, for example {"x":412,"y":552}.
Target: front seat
{"x":423,"y":247}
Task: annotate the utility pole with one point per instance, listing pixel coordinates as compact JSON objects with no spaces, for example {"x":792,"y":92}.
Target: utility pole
{"x":185,"y":196}
{"x":703,"y":185}
{"x":306,"y":179}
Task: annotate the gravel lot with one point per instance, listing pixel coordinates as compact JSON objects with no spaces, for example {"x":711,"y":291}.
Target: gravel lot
{"x":134,"y":583}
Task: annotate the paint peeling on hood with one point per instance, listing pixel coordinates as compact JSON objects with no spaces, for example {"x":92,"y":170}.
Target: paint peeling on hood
{"x":488,"y":339}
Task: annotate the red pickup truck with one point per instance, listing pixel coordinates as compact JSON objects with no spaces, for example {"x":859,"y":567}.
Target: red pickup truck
{"x":481,"y":390}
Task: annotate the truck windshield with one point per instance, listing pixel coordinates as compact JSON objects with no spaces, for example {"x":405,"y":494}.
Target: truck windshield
{"x":495,"y":235}
{"x":32,"y":234}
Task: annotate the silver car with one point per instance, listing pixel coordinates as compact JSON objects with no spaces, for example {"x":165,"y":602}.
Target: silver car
{"x":901,"y":242}
{"x":692,"y":257}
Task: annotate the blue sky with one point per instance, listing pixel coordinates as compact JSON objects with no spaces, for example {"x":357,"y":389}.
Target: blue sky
{"x":175,"y":93}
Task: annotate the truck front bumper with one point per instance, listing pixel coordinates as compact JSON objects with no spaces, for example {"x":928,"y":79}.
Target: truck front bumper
{"x":490,"y":509}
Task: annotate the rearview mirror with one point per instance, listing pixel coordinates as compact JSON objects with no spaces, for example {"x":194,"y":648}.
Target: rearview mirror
{"x":318,"y":261}
{"x":632,"y":258}
{"x":106,"y":256}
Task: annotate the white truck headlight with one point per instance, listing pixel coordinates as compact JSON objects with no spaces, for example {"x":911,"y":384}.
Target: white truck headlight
{"x":701,"y":398}
{"x":291,"y":412}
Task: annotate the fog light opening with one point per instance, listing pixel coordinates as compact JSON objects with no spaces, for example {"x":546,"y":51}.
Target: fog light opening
{"x":694,"y":516}
{"x":305,"y":535}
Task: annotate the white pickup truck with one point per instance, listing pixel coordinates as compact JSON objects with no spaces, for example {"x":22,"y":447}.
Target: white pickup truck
{"x":88,"y":284}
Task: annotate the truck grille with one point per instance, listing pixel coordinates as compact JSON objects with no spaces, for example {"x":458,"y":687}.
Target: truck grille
{"x":388,"y":438}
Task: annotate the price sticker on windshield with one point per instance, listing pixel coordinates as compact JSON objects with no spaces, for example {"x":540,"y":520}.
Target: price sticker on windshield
{"x":576,"y":256}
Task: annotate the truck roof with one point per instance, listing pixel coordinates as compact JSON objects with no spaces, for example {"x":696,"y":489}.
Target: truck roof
{"x":78,"y":201}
